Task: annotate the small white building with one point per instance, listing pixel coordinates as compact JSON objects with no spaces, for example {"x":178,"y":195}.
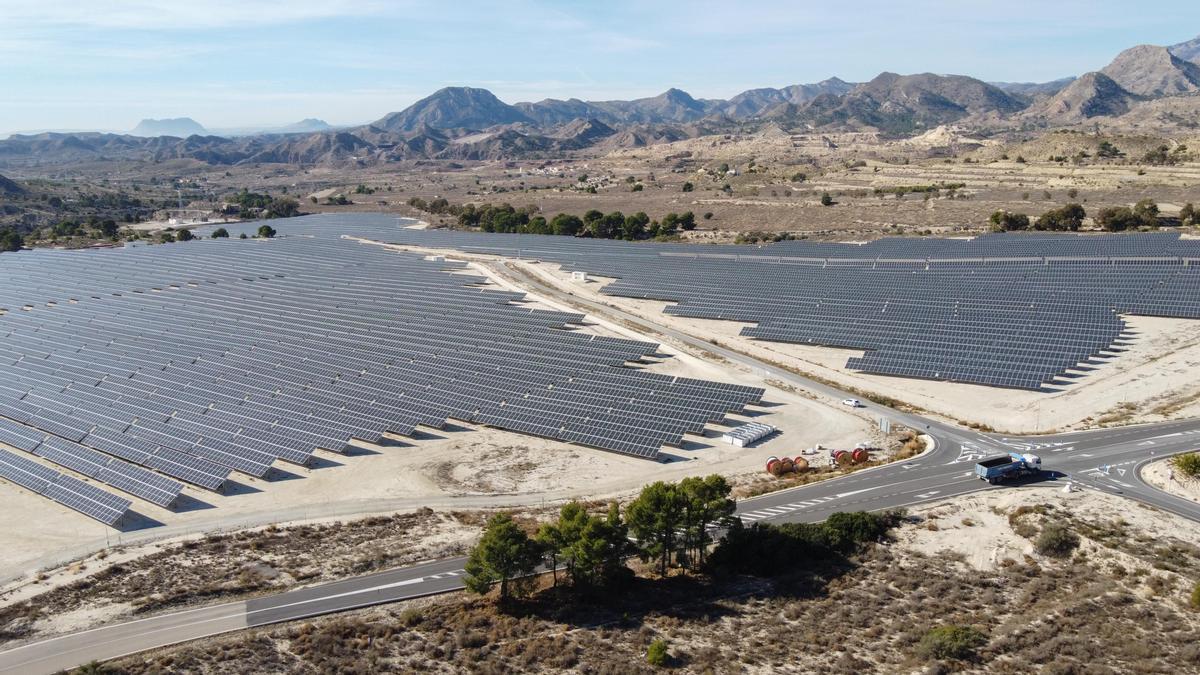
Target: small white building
{"x":747,"y":434}
{"x":579,"y":276}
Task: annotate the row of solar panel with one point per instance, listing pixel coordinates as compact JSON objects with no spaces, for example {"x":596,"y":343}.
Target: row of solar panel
{"x":189,"y":323}
{"x":66,"y":490}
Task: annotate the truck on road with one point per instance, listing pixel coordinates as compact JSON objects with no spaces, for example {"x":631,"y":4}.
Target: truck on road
{"x":1003,"y":467}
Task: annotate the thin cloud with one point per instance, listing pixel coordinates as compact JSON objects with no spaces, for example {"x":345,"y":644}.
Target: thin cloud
{"x":181,"y":15}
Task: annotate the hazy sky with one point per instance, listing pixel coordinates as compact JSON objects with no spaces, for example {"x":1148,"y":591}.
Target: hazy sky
{"x":105,"y":64}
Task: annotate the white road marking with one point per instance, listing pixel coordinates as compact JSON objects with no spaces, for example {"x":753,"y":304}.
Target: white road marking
{"x":398,"y":584}
{"x":843,"y":495}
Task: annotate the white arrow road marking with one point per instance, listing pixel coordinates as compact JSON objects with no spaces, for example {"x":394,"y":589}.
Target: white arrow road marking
{"x":968,"y":452}
{"x":927,"y":495}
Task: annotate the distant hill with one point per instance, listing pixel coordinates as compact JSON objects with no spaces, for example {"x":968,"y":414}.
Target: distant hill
{"x":180,"y":127}
{"x":10,"y":187}
{"x":1188,"y":51}
{"x":331,"y":148}
{"x":803,"y":93}
{"x":754,"y":102}
{"x":1092,"y":95}
{"x":308,"y":125}
{"x":582,"y":133}
{"x":1150,"y":70}
{"x":552,"y":112}
{"x":673,"y":105}
{"x":902,"y":104}
{"x":1034,"y":88}
{"x":453,"y":108}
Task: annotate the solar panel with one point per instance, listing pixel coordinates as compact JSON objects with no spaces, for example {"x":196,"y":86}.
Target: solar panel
{"x":88,"y":499}
{"x":244,"y":355}
{"x":71,"y":492}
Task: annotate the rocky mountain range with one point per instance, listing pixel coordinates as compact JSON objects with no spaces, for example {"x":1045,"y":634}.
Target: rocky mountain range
{"x":465,"y":123}
{"x":1148,"y":70}
{"x":1188,"y":51}
{"x":1092,"y":95}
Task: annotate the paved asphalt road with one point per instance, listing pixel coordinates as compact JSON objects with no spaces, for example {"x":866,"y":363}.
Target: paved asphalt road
{"x":1105,"y":459}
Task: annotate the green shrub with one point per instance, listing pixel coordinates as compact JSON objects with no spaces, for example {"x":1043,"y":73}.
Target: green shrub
{"x":1056,"y":541}
{"x":657,"y":655}
{"x":951,"y":642}
{"x":1195,"y":599}
{"x":1188,"y":465}
{"x":411,"y":617}
{"x":770,"y":550}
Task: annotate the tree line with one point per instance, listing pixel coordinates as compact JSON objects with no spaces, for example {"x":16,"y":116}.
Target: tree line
{"x":527,"y":220}
{"x":669,"y":526}
{"x":1069,"y":218}
{"x":265,"y":205}
{"x":10,"y":239}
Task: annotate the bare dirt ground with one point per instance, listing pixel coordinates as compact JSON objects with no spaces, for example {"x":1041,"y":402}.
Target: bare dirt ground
{"x":1025,"y":172}
{"x":1117,"y":603}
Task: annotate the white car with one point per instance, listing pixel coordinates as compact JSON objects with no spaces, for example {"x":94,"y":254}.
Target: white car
{"x":853,"y":403}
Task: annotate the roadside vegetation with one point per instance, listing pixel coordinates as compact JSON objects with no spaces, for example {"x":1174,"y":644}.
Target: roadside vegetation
{"x":237,"y":565}
{"x":1187,"y":464}
{"x":846,"y":596}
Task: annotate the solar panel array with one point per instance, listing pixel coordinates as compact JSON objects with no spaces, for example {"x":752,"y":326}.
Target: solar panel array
{"x":66,"y":490}
{"x":147,"y":366}
{"x":1030,"y":311}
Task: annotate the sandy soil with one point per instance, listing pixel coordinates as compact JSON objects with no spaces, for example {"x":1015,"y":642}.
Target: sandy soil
{"x":458,"y":467}
{"x":1162,"y":476}
{"x":155,"y":225}
{"x":976,"y":529}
